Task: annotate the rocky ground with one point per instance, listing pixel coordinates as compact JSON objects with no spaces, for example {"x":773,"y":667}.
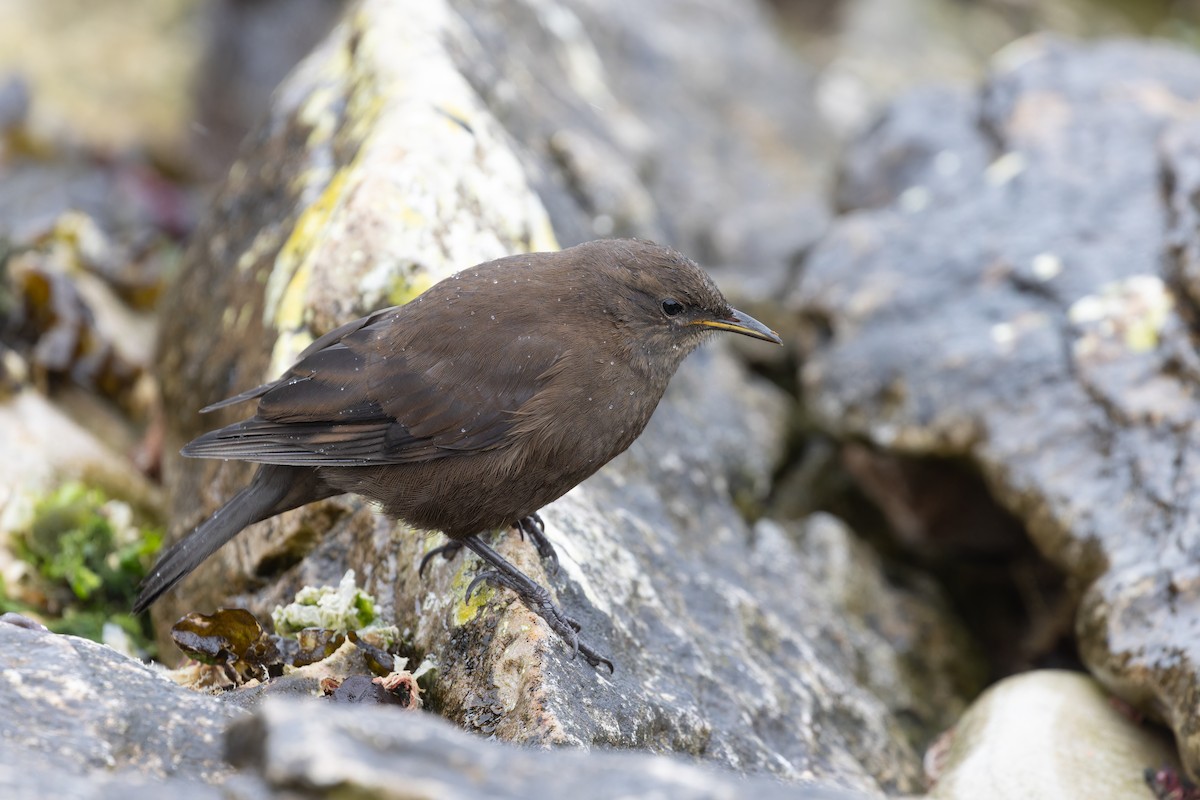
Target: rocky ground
{"x":942,"y":544}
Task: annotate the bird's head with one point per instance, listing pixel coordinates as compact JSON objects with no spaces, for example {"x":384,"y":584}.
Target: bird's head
{"x":665,"y":303}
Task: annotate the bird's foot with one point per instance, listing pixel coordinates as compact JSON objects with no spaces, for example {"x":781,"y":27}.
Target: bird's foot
{"x":530,"y":527}
{"x":535,"y":598}
{"x":531,"y":594}
{"x":533,"y":527}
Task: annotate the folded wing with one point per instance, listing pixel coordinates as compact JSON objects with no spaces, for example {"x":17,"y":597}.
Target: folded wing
{"x":368,"y":394}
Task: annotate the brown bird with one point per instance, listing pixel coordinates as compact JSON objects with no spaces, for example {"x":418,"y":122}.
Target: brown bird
{"x":468,"y":409}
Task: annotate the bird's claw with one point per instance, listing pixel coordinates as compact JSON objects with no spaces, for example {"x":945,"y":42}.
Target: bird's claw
{"x":490,"y":576}
{"x":594,"y":659}
{"x":568,"y":630}
{"x":447,"y":551}
{"x":534,"y":529}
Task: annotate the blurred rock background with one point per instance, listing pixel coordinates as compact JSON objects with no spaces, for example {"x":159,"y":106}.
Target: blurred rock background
{"x":974,"y":226}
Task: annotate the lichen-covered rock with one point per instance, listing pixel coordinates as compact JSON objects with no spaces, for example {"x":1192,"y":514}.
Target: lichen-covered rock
{"x":1032,"y":314}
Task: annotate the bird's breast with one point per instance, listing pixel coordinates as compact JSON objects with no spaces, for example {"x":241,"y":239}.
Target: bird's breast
{"x":592,"y":411}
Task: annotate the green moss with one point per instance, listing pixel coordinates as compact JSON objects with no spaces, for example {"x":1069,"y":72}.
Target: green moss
{"x":86,"y":557}
{"x":89,"y":623}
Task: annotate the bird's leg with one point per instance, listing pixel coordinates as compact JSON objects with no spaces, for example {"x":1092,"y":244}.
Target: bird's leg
{"x":535,"y":598}
{"x":533,"y":527}
{"x":530,"y":526}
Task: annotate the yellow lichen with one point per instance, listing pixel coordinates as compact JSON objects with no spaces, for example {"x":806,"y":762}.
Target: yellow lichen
{"x":287,"y":286}
{"x":404,"y":288}
{"x":469,"y":607}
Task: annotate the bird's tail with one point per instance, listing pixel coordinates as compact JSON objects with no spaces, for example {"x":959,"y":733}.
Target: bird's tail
{"x":275,"y":489}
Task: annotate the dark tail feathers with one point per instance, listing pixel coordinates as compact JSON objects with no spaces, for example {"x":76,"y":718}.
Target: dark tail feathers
{"x":275,"y":489}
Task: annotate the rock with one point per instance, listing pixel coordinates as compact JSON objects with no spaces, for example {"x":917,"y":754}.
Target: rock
{"x":629,"y":126}
{"x":364,"y":186}
{"x":250,"y":47}
{"x":82,"y":720}
{"x":907,"y":161}
{"x":368,"y":752}
{"x":35,"y":776}
{"x":1048,"y":734}
{"x":1032,"y":318}
{"x":885,"y":48}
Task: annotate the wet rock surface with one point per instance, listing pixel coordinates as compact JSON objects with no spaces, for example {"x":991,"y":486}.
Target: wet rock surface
{"x":1030,"y":311}
{"x":84,"y":722}
{"x":295,"y":747}
{"x":75,"y":709}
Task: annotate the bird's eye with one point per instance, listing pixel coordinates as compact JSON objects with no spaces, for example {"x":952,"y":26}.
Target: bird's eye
{"x":672,"y":307}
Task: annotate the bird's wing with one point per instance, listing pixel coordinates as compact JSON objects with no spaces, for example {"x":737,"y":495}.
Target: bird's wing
{"x":329,"y":339}
{"x":369,"y":397}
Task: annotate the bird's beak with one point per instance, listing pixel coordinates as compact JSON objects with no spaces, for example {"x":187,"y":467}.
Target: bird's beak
{"x":742,"y":323}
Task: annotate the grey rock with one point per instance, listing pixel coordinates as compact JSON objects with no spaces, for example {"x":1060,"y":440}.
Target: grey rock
{"x":906,"y":160}
{"x":250,"y":47}
{"x":318,"y":751}
{"x":881,"y":49}
{"x":26,"y":775}
{"x":75,"y":710}
{"x":39,"y":776}
{"x":629,"y":125}
{"x":85,"y":722}
{"x":1026,"y":320}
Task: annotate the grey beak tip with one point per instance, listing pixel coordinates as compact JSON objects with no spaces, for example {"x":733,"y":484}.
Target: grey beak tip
{"x":749,"y":326}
